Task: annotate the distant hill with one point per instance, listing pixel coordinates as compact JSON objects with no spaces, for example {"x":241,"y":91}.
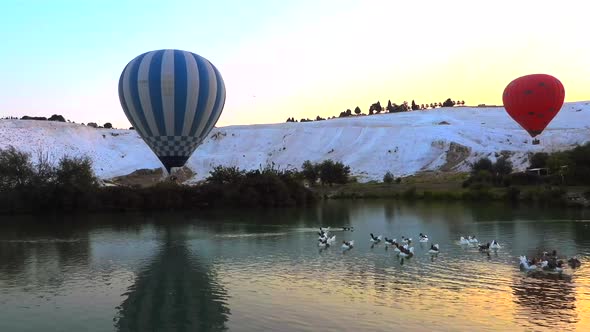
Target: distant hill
{"x":406,"y":143}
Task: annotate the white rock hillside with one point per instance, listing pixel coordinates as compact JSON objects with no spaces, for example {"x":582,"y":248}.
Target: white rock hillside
{"x":403,"y":143}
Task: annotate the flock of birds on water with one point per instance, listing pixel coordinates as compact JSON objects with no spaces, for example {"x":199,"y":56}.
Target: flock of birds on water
{"x":547,"y":262}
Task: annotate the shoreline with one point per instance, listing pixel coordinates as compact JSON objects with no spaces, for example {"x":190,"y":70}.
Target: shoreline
{"x":549,"y":195}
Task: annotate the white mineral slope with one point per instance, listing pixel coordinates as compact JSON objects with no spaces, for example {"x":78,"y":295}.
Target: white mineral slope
{"x":403,"y":143}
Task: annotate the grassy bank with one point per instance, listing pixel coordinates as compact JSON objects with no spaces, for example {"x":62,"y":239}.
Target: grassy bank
{"x":450,"y":187}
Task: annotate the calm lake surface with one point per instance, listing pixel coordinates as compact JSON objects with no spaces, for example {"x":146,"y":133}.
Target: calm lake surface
{"x":262,"y":270}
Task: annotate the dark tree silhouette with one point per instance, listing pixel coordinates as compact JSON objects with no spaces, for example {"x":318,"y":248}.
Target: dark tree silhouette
{"x":448,"y":103}
{"x":56,"y":117}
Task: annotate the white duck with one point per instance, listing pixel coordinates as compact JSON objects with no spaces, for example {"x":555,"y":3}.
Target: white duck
{"x":434,"y":249}
{"x":404,"y":252}
{"x":406,"y":240}
{"x":326,"y":241}
{"x":495,"y":245}
{"x":396,"y":249}
{"x":330,"y":240}
{"x":347,"y":245}
{"x":324,"y":232}
{"x":525,"y":265}
{"x":423,"y":237}
{"x":376,"y":240}
{"x":472,"y":239}
{"x":463,"y":241}
{"x":390,"y":242}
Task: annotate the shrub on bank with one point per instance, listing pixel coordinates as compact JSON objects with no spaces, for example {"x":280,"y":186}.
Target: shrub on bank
{"x":70,"y":185}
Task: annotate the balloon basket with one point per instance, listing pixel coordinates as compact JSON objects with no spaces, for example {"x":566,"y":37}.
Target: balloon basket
{"x":536,"y":142}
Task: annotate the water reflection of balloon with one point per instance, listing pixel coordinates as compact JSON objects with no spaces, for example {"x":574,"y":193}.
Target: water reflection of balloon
{"x":173,"y":99}
{"x":533,"y":101}
{"x":176,"y":291}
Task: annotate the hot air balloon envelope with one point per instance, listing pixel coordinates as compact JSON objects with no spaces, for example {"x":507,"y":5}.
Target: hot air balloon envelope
{"x":173,"y":99}
{"x":533,"y":101}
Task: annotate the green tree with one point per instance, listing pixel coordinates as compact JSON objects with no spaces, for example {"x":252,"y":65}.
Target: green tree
{"x":331,"y":172}
{"x":503,"y":166}
{"x":483,"y":164}
{"x":539,"y":160}
{"x":16,"y":168}
{"x":389,"y":106}
{"x":310,"y":171}
{"x":75,"y":174}
{"x":56,"y":117}
{"x":388,"y":178}
{"x":557,"y":160}
{"x":448,"y":103}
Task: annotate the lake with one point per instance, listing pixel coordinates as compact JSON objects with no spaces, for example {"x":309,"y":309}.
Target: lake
{"x":263,"y":270}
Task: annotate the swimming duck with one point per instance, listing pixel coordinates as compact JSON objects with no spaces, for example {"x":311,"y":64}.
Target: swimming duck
{"x":405,"y":252}
{"x":526,"y":265}
{"x":330,"y":240}
{"x":574,"y":262}
{"x":377,"y":239}
{"x":406,"y":240}
{"x":323,"y":243}
{"x":423,"y":237}
{"x":434,"y":249}
{"x":345,"y":228}
{"x":346,"y":245}
{"x":552,"y":265}
{"x":390,"y":242}
{"x":463,"y":241}
{"x":472,"y":239}
{"x":484,"y":247}
{"x":495,"y":245}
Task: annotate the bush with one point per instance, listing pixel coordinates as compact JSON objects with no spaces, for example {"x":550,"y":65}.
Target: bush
{"x":512,"y":194}
{"x":222,"y":175}
{"x":108,"y":125}
{"x":388,"y":178}
{"x":41,"y":118}
{"x":409,"y":193}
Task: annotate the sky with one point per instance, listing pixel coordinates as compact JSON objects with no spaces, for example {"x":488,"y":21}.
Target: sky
{"x":283,"y":59}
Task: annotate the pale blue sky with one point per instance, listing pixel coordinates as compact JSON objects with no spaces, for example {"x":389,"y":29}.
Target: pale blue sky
{"x":288,"y":58}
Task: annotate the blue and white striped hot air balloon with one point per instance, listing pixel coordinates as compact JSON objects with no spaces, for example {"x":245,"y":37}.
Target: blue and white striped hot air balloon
{"x":173,"y":99}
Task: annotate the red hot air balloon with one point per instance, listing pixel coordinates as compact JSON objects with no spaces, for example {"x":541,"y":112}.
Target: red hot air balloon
{"x":533,"y":101}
